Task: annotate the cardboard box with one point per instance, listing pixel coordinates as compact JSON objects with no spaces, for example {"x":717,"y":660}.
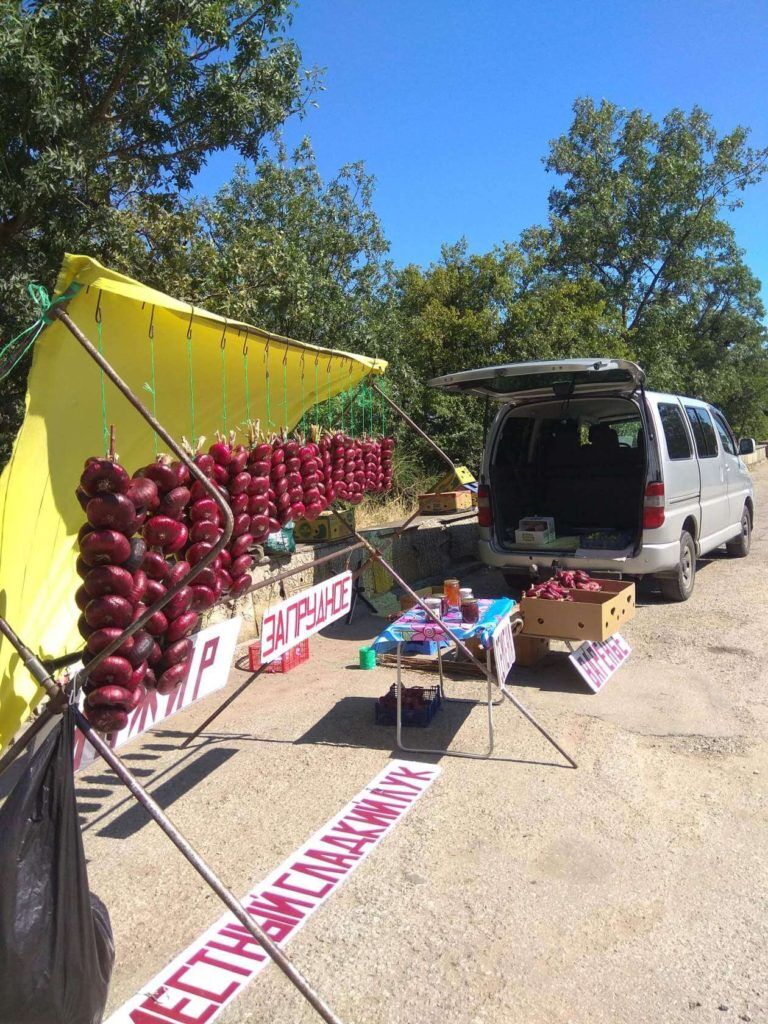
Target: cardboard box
{"x":447,"y":501}
{"x":590,"y":616}
{"x":530,"y":649}
{"x":534,"y":538}
{"x":537,"y":523}
{"x":325,"y":527}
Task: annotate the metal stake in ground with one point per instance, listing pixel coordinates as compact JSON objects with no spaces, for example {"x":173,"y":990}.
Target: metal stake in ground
{"x":182,"y":844}
{"x":456,"y":640}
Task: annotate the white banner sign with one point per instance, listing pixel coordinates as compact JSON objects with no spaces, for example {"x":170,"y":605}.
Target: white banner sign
{"x":286,"y":624}
{"x":597,"y":660}
{"x":503,"y":649}
{"x":214,"y":970}
{"x":209,"y":671}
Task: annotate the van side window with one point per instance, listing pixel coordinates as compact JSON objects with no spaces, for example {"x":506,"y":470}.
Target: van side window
{"x":703,"y":431}
{"x":675,"y":434}
{"x":726,"y":435}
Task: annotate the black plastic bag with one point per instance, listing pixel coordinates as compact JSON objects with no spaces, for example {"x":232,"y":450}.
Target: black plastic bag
{"x":56,"y":947}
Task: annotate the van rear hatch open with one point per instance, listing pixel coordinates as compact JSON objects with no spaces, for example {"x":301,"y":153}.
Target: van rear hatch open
{"x":564,"y":378}
{"x":568,"y":447}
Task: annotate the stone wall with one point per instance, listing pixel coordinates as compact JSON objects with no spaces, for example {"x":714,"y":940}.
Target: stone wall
{"x":430,"y":547}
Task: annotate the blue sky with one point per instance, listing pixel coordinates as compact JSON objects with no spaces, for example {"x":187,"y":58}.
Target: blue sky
{"x":451,"y":103}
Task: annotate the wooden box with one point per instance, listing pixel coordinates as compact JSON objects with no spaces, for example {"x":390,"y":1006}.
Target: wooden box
{"x":530,"y":649}
{"x":325,"y":527}
{"x":447,"y":501}
{"x":590,"y":616}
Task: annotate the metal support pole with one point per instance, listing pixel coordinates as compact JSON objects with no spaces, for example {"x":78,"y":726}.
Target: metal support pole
{"x":179,"y":452}
{"x":404,"y":416}
{"x":179,"y":841}
{"x":456,"y":640}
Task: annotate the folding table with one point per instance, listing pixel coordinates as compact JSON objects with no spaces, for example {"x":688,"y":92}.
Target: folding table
{"x":414,"y":626}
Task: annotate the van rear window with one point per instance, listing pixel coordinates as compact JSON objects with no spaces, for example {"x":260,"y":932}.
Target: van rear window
{"x":542,"y":381}
{"x":675,"y":434}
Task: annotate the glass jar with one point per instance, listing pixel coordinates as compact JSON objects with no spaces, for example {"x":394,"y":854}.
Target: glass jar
{"x":435,"y":605}
{"x":452,"y":595}
{"x":470,"y":610}
{"x":465,"y":592}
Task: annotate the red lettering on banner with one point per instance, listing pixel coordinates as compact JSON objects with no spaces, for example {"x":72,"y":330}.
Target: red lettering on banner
{"x":276,"y":904}
{"x":282,"y":884}
{"x":336,"y":859}
{"x":184,"y":986}
{"x":315,"y":872}
{"x":273,"y":926}
{"x":355,"y":846}
{"x":203,"y":956}
{"x":242,"y":944}
{"x":173,"y":1013}
{"x":207,"y":659}
{"x":391,"y":794}
{"x":374,"y":834}
{"x":385,"y":810}
{"x":138,"y":1016}
{"x":402,"y":782}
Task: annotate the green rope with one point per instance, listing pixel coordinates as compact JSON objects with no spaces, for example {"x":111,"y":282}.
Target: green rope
{"x":301,"y":385}
{"x":247,"y":387}
{"x":223,"y":386}
{"x":104,"y":424}
{"x":17,"y":347}
{"x":317,"y":393}
{"x":153,"y":388}
{"x":191,"y":382}
{"x":285,"y":389}
{"x":328,"y":404}
{"x":352,"y":412}
{"x":342,"y":398}
{"x":383,"y":415}
{"x":267,"y":386}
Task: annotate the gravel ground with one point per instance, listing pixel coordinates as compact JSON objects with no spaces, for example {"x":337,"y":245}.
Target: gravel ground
{"x":631,"y":890}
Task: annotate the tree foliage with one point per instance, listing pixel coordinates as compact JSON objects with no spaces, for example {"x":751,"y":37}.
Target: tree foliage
{"x":107,"y":111}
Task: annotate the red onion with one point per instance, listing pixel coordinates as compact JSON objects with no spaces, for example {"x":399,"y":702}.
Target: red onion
{"x":110,"y":695}
{"x":107,"y":719}
{"x":182,"y":626}
{"x":109,"y":610}
{"x":101,"y":638}
{"x":113,"y":670}
{"x":180,"y":650}
{"x":104,"y":547}
{"x":173,"y":677}
{"x":104,"y":476}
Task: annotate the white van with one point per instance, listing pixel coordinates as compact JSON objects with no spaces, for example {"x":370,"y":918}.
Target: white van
{"x":615,"y":478}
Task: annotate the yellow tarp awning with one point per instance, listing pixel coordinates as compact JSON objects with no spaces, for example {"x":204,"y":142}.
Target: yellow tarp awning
{"x":194,"y":385}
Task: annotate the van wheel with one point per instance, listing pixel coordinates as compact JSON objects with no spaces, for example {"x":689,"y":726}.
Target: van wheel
{"x":680,"y":586}
{"x":739,"y":546}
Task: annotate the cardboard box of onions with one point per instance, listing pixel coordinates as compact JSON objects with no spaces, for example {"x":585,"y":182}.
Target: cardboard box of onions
{"x":589,"y":615}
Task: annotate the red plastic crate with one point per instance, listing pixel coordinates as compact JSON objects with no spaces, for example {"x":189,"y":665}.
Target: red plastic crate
{"x":296,"y":656}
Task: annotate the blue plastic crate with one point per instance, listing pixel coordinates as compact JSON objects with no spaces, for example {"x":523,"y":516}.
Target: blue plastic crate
{"x":385,"y":712}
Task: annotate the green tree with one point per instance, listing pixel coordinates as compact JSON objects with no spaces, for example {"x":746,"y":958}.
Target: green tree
{"x":291,"y":252}
{"x":109,"y":108}
{"x":640,"y":212}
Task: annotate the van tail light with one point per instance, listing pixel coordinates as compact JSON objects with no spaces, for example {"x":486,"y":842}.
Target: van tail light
{"x":653,"y":507}
{"x":484,"y":512}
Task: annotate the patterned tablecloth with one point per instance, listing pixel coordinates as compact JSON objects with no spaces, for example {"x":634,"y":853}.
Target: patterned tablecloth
{"x":414,"y":626}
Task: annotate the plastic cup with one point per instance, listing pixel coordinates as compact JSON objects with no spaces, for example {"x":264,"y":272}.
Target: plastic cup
{"x":367,"y":657}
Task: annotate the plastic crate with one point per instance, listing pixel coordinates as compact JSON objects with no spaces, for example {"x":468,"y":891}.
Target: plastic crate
{"x":385,"y":710}
{"x":296,"y":656}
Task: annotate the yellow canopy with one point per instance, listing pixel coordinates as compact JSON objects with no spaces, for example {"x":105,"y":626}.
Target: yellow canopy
{"x":193,"y":368}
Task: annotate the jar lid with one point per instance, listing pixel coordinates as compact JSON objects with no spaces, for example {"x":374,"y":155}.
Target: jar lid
{"x":466,"y":591}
